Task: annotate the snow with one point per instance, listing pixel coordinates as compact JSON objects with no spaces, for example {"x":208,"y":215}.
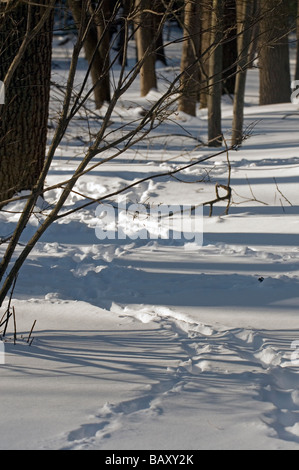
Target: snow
{"x":163,"y":343}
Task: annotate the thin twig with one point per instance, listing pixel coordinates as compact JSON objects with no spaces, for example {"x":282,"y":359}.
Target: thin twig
{"x":253,"y":196}
{"x":15,"y":325}
{"x":31,"y":332}
{"x":285,"y":198}
{"x":228,"y":186}
{"x":8,"y":313}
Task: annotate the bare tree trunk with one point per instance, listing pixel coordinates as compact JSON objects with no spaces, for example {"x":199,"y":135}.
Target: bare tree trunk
{"x":244,"y":15}
{"x":145,"y":46}
{"x":123,"y":22}
{"x":92,"y":55}
{"x":229,"y":47}
{"x":24,"y":116}
{"x":274,"y":60}
{"x":206,"y":12}
{"x":160,"y":50}
{"x":96,"y":46}
{"x":159,"y":7}
{"x":102,"y":17}
{"x":255,"y":34}
{"x":190,"y":56}
{"x":215,"y":77}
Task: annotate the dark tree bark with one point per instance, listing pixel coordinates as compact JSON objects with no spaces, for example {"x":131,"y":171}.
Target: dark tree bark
{"x":190,"y":84}
{"x":230,"y":51}
{"x":245,"y":22}
{"x":102,"y":17}
{"x":127,"y":6}
{"x":274,"y":60}
{"x":96,"y":46}
{"x":160,"y":51}
{"x":206,"y":11}
{"x":253,"y":47}
{"x":24,"y":116}
{"x":146,"y":47}
{"x":215,"y":76}
{"x":159,"y":7}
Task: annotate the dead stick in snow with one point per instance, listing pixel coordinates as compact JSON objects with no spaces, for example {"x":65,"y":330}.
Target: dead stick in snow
{"x":31,"y":331}
{"x":15,"y":325}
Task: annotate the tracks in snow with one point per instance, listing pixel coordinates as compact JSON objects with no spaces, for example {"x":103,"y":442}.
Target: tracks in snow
{"x":240,"y":359}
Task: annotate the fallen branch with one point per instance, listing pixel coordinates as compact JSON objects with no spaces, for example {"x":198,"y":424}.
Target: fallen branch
{"x":219,"y":198}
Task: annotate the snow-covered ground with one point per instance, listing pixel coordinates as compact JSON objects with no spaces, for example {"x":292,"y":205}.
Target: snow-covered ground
{"x":164,"y":343}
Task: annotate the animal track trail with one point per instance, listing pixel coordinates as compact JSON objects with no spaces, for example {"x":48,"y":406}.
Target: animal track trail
{"x":282,"y":391}
{"x":116,"y":417}
{"x":112,"y":418}
{"x":245,"y":359}
{"x":273,"y":379}
{"x":278,"y":384}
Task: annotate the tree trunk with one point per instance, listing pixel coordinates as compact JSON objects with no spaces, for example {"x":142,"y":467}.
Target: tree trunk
{"x":189,"y":61}
{"x":126,"y":8}
{"x":215,"y":77}
{"x":160,"y":51}
{"x":102,"y":17}
{"x":206,"y":11}
{"x":253,"y":47}
{"x":159,"y":7}
{"x":274,"y":61}
{"x":99,"y":77}
{"x":230,"y":51}
{"x":144,"y":25}
{"x":24,"y":116}
{"x":244,"y":15}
